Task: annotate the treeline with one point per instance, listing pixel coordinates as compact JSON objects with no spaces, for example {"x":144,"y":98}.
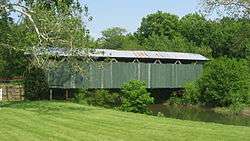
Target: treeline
{"x":193,"y":33}
{"x":226,"y":41}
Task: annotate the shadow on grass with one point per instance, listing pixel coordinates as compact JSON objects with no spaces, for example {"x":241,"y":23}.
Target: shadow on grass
{"x":45,"y":107}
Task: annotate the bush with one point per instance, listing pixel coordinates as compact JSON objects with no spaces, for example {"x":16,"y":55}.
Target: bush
{"x":224,"y":82}
{"x":175,"y":99}
{"x":80,"y":96}
{"x":102,"y":98}
{"x":35,"y":84}
{"x":135,"y":97}
{"x":236,"y":108}
{"x":191,"y":94}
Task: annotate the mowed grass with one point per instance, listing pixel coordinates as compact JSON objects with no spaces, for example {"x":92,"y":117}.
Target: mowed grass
{"x":31,"y":121}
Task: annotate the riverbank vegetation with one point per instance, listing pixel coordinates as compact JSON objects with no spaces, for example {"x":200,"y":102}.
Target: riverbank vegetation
{"x":222,"y":115}
{"x":133,"y":97}
{"x":224,"y":83}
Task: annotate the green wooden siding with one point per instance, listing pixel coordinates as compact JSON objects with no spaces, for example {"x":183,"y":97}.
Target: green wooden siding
{"x":113,"y":75}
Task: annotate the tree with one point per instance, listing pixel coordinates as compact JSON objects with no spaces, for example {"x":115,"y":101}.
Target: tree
{"x":195,"y":28}
{"x":225,"y":82}
{"x":159,"y":24}
{"x":230,"y":37}
{"x":233,"y":8}
{"x":113,"y":38}
{"x":165,"y":32}
{"x":47,"y":23}
{"x":69,"y":7}
{"x":11,"y":60}
{"x":130,"y":42}
{"x":176,"y":44}
{"x":42,"y":24}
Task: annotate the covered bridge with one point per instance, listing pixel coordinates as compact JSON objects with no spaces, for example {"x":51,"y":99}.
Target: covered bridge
{"x":112,"y":68}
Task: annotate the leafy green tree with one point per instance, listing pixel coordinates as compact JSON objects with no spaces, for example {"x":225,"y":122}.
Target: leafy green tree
{"x":176,"y":44}
{"x":224,"y":82}
{"x":195,"y":28}
{"x":130,"y":42}
{"x":52,"y":23}
{"x":165,"y":32}
{"x":230,"y":37}
{"x":2,"y":65}
{"x":113,"y":38}
{"x":159,"y":24}
{"x":11,"y":60}
{"x":112,"y":32}
{"x":59,"y":25}
{"x":116,"y":38}
{"x":4,"y":29}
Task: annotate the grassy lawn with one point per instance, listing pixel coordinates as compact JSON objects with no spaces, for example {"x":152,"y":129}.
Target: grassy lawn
{"x":67,"y":121}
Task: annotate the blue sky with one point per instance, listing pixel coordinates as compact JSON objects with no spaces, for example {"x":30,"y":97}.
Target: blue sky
{"x":128,"y":13}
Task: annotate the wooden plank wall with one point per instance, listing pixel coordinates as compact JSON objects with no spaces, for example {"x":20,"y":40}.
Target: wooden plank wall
{"x":12,"y":92}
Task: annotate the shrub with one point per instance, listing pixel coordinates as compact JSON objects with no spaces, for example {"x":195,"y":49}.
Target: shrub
{"x":224,"y":82}
{"x":102,"y":98}
{"x":191,"y":94}
{"x":35,"y":84}
{"x":236,"y":108}
{"x":175,"y":99}
{"x":135,"y":97}
{"x":80,"y":95}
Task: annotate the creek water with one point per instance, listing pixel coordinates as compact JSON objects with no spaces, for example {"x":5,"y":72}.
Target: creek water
{"x":199,"y":114}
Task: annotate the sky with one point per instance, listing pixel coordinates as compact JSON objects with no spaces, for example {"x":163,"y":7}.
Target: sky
{"x":129,"y":13}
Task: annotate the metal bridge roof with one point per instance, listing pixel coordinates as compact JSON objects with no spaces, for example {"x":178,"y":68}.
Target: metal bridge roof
{"x":108,"y":53}
{"x":147,"y":55}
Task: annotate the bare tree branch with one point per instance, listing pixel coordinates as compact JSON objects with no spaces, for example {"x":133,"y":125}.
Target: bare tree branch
{"x":241,"y":8}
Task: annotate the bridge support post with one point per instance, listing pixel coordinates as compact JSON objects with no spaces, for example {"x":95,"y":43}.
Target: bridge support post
{"x":50,"y":94}
{"x":66,"y":94}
